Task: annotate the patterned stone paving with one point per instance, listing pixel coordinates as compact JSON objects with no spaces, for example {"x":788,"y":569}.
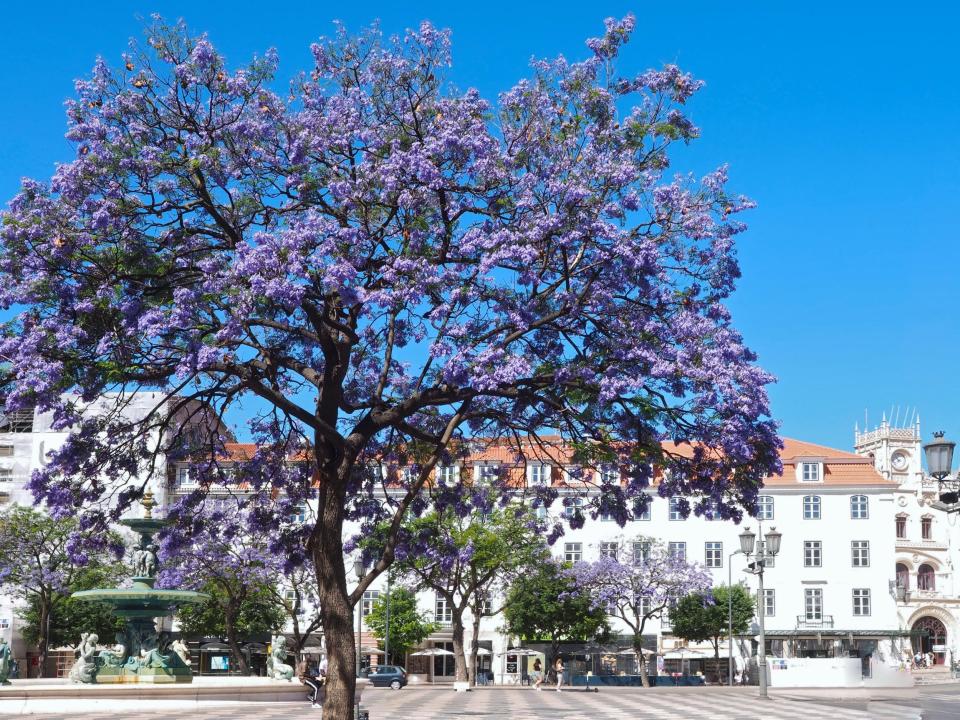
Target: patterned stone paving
{"x":527,"y":704}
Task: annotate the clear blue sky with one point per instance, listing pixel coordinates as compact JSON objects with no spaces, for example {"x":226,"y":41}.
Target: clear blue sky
{"x":840,"y":119}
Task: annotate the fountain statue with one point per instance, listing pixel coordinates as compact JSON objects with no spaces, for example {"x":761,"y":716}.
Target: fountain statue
{"x":277,"y":667}
{"x":141,"y":654}
{"x":4,"y":662}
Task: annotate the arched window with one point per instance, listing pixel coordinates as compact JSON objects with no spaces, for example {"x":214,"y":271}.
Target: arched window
{"x":859,"y":507}
{"x":811,"y":507}
{"x":926,"y":579}
{"x":903,"y":576}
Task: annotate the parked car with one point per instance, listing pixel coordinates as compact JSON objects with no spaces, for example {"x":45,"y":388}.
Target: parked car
{"x":392,"y":676}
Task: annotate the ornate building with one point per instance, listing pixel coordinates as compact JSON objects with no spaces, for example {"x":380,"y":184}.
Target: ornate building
{"x":928,"y":596}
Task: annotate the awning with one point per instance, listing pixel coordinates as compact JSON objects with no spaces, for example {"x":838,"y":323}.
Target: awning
{"x":834,"y":633}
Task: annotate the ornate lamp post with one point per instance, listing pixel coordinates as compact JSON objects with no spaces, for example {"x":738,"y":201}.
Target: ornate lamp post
{"x":766,"y":549}
{"x":939,"y":454}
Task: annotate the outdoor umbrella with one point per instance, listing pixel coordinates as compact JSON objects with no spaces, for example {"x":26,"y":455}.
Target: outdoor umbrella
{"x":483,"y":651}
{"x":523,"y":652}
{"x":430,"y":652}
{"x":372,"y":651}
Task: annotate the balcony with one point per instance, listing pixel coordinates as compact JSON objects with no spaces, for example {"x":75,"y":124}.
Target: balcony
{"x":825,"y":622}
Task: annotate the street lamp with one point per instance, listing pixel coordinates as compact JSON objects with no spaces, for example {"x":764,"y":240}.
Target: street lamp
{"x":766,"y":549}
{"x":359,"y":570}
{"x":939,"y":453}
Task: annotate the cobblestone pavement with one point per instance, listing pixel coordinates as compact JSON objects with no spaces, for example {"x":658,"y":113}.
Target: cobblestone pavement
{"x":526,"y":704}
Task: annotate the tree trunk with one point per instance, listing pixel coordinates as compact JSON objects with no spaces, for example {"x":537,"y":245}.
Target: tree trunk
{"x":230,"y":625}
{"x":336,"y":611}
{"x":42,"y":636}
{"x":642,"y":663}
{"x":460,"y":657}
{"x":474,"y":657}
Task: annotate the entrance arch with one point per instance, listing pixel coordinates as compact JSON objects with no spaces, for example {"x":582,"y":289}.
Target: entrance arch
{"x":928,"y":633}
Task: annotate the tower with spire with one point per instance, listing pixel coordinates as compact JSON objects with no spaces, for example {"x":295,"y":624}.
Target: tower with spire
{"x":894,"y":448}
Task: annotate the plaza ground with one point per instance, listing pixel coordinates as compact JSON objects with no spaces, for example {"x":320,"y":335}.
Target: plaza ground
{"x":928,"y":703}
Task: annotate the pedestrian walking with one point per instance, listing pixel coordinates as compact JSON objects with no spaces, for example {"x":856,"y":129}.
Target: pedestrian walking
{"x":303,"y":674}
{"x":537,"y":674}
{"x":558,"y":667}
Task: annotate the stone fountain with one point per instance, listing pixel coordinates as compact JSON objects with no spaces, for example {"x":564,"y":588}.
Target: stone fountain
{"x":141,"y":654}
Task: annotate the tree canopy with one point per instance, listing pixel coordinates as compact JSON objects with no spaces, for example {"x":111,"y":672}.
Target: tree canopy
{"x":379,"y":260}
{"x":705,"y":616}
{"x":408,"y":626}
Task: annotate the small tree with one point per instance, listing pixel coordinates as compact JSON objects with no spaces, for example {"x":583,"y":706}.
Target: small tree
{"x":295,"y":593}
{"x":543,"y":604}
{"x":408,"y":626}
{"x":642,"y":582}
{"x":468,"y":559}
{"x":37,"y":568}
{"x":705,"y":616}
{"x":258,"y":613}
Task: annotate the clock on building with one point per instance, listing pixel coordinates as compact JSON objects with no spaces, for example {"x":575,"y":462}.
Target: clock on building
{"x":899,"y":461}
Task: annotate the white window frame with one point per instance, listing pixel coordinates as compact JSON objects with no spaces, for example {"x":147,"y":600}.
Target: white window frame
{"x":369,"y":598}
{"x":184,"y":477}
{"x":859,"y":507}
{"x":678,"y":549}
{"x":713,"y":554}
{"x":641,"y":551}
{"x":813,"y":553}
{"x":674,"y":508}
{"x":861,"y":602}
{"x":860,"y":553}
{"x":443,"y":611}
{"x":609,"y":474}
{"x":765,"y":507}
{"x":647,"y":511}
{"x":810,"y":472}
{"x":572,"y":506}
{"x":6,"y":475}
{"x":769,"y":602}
{"x":812,"y":507}
{"x":449,"y":474}
{"x":573,"y":551}
{"x":813,"y":604}
{"x":538,"y":474}
{"x":610,"y":549}
{"x":487,"y":471}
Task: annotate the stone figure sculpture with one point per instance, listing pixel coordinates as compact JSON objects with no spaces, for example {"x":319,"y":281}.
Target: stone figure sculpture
{"x":84,"y":670}
{"x":277,"y":668}
{"x":5,"y":662}
{"x":117,"y":655}
{"x":181,"y":649}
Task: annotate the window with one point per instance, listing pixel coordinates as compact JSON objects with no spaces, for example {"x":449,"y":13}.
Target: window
{"x":641,"y":508}
{"x":369,"y":598}
{"x":409,"y":474}
{"x":712,"y":510}
{"x":609,"y":549}
{"x":444,"y":613}
{"x":290,"y":597}
{"x":6,"y":450}
{"x":769,"y":602}
{"x":810,"y":472}
{"x":765,"y":507}
{"x":861,"y":601}
{"x":641,"y":552}
{"x":609,"y":475}
{"x":376,"y":472}
{"x":572,"y":507}
{"x":183,"y":477}
{"x":926,"y":528}
{"x":573,"y":552}
{"x":901,"y":527}
{"x":538,"y":474}
{"x":811,"y":507}
{"x":860,"y":553}
{"x":678,"y":550}
{"x":926,"y":578}
{"x":675,"y":513}
{"x":812,"y":553}
{"x":448,"y":474}
{"x":541,"y":512}
{"x":298,"y":514}
{"x":18,"y":421}
{"x":488,"y":472}
{"x":611,"y":608}
{"x":903,"y":576}
{"x":6,"y":475}
{"x":645,"y":606}
{"x":859,"y":507}
{"x":813,"y":603}
{"x":714,"y":554}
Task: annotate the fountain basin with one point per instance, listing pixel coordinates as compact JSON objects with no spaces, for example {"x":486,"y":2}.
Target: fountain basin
{"x":25,"y":697}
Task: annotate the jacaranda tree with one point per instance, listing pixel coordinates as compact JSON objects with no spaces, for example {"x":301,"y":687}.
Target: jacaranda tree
{"x":370,"y":259}
{"x":643,"y":580}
